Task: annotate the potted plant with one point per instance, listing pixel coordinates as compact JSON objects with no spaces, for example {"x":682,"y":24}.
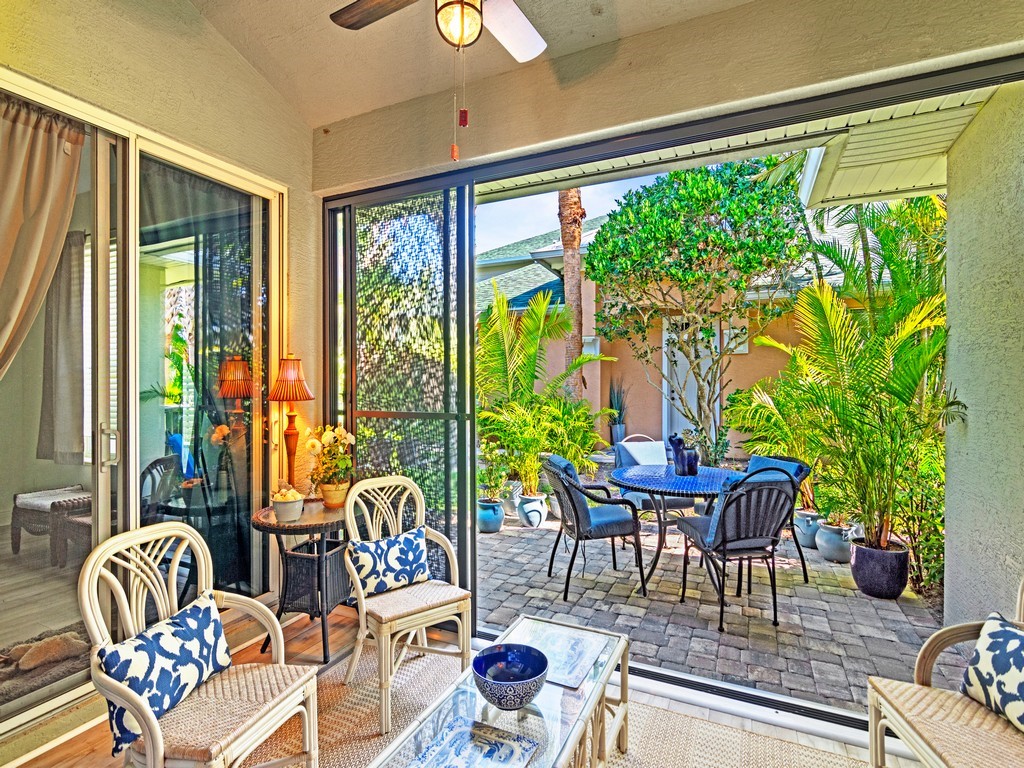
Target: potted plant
{"x":833,"y":537}
{"x":617,"y":404}
{"x":522,"y":431}
{"x":332,"y":462}
{"x":492,"y":477}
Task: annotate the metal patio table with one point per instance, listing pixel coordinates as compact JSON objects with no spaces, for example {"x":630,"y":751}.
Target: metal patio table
{"x":314,"y":581}
{"x":661,"y":481}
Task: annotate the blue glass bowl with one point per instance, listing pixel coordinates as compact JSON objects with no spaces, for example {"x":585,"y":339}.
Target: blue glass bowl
{"x":510,"y":676}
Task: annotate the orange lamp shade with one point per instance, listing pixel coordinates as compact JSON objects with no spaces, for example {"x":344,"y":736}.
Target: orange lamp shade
{"x":291,"y":384}
{"x":235,"y":379}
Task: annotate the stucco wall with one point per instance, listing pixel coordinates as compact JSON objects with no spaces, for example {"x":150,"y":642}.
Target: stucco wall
{"x":985,"y":455}
{"x":160,"y":64}
{"x":705,"y":66}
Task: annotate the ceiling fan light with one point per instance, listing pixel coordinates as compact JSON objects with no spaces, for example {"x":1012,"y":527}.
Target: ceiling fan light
{"x":459,"y":21}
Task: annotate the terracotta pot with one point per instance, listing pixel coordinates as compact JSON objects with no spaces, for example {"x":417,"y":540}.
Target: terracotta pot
{"x":334,"y":494}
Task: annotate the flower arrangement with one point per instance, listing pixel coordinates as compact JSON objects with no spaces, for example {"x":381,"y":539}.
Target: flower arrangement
{"x":329,"y":445}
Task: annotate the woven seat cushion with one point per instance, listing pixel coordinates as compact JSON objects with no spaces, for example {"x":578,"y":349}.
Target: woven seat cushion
{"x":40,"y":501}
{"x":205,"y":724}
{"x":958,"y":729}
{"x":399,"y":603}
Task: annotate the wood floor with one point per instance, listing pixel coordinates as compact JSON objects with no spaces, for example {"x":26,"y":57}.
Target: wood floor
{"x":91,"y":749}
{"x":35,"y":597}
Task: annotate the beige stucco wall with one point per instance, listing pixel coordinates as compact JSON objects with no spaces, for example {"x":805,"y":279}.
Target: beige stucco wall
{"x":985,"y":455}
{"x":746,"y":56}
{"x":158,"y":63}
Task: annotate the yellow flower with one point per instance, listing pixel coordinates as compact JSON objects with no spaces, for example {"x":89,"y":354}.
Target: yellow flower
{"x":314,"y":446}
{"x":329,"y":438}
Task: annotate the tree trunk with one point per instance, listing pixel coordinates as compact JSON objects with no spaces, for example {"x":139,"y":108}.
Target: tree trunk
{"x":570,"y":217}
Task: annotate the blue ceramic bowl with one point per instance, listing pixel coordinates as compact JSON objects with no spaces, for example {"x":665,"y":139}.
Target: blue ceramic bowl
{"x":510,"y":676}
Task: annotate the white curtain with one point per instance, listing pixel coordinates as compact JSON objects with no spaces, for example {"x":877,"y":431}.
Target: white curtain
{"x":40,"y":154}
{"x":61,"y":436}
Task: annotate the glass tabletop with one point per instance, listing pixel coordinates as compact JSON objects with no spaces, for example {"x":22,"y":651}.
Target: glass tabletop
{"x":662,"y":480}
{"x":545,"y":728}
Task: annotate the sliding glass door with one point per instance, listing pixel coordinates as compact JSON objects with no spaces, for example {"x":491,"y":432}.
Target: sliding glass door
{"x":61,"y":223}
{"x":202,"y":317}
{"x":402,"y":296}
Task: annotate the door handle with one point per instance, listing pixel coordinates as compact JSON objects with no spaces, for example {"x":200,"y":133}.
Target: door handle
{"x":106,"y":436}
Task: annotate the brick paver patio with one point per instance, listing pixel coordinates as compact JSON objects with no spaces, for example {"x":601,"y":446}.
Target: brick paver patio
{"x":829,"y":639}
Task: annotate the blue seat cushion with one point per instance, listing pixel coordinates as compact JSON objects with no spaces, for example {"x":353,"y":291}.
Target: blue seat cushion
{"x":696,"y":528}
{"x":610,"y":520}
{"x":798,"y":470}
{"x":165,"y":663}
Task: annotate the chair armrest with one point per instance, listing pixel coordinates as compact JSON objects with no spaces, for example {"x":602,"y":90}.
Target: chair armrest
{"x":449,"y":551}
{"x":123,"y":696}
{"x":598,"y":487}
{"x":262,"y":614}
{"x":937,"y":643}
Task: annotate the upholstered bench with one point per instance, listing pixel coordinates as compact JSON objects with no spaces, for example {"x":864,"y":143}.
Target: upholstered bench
{"x":37,"y":511}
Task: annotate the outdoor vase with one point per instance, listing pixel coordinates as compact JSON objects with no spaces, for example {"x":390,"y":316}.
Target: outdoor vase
{"x":685,"y":459}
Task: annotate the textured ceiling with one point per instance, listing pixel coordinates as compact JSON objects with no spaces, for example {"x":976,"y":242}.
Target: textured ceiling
{"x":330,"y":73}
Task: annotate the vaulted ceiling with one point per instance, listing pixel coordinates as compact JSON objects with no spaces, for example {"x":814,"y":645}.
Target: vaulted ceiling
{"x":329,"y":73}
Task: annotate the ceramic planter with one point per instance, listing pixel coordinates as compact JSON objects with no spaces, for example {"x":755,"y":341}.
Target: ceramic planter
{"x":618,"y":433}
{"x":805,"y":524}
{"x":833,"y":541}
{"x":881,"y":573}
{"x":490,"y":514}
{"x":532,"y":510}
{"x":334,"y":494}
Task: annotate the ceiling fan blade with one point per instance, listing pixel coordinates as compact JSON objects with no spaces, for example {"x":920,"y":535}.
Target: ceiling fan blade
{"x":513,"y":30}
{"x":362,"y":13}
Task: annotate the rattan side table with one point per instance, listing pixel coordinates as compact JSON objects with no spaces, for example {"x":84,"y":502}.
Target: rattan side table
{"x":314,"y":581}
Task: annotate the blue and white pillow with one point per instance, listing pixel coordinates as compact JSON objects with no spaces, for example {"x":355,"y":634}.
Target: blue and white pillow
{"x":390,"y":563}
{"x":995,"y":675}
{"x":166,"y":662}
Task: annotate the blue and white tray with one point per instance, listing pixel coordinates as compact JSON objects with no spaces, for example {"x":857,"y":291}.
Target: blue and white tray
{"x":465,"y":743}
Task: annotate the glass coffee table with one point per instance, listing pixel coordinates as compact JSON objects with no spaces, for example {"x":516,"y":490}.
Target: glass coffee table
{"x":569,"y":724}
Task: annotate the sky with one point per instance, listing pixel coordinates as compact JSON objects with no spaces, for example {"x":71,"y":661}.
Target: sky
{"x":508,"y":221}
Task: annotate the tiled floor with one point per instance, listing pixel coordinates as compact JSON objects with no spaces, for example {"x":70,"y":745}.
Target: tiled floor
{"x":829,"y":639}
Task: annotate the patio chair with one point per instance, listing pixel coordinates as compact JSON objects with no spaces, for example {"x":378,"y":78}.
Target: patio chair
{"x":612,"y":517}
{"x":746,"y":524}
{"x":220,"y":721}
{"x":800,"y":472}
{"x":38,"y":513}
{"x":398,"y":613}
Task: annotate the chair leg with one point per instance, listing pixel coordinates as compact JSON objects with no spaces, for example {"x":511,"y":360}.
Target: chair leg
{"x":464,"y":639}
{"x":568,"y":573}
{"x":15,"y":537}
{"x":640,"y":563}
{"x":385,"y":661}
{"x":750,"y":574}
{"x":686,"y":562}
{"x":775,"y":600}
{"x":554,"y":551}
{"x":310,"y":741}
{"x":615,"y":565}
{"x":723,"y":579}
{"x":876,"y":731}
{"x":799,"y":550}
{"x":739,"y":577}
{"x":354,"y":661}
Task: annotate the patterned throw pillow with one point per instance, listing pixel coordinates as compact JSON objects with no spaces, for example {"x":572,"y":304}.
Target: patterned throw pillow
{"x":995,"y":674}
{"x":390,"y":563}
{"x":166,"y":662}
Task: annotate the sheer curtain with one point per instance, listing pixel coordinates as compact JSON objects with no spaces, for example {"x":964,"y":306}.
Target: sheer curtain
{"x":40,"y":155}
{"x":63,"y":402}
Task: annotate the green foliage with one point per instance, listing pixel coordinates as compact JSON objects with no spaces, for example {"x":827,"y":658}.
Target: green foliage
{"x":522,"y":432}
{"x":617,"y":392}
{"x":492,"y":475}
{"x":870,"y":403}
{"x":920,"y":514}
{"x":177,"y":360}
{"x":681,"y":255}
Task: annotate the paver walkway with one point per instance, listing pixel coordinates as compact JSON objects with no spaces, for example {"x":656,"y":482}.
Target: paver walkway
{"x":829,"y":639}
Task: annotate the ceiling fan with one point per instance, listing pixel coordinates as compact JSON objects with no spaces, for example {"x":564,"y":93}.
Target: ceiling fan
{"x":503,"y":18}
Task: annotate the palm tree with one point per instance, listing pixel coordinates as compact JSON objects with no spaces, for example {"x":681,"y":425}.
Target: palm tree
{"x":570,"y":217}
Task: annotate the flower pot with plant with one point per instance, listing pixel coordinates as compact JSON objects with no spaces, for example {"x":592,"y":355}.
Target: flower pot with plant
{"x":492,"y":477}
{"x":332,"y":462}
{"x":617,"y":392}
{"x":522,"y":431}
{"x":833,"y":537}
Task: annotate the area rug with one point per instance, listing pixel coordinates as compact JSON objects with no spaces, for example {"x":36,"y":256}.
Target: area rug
{"x":16,"y":683}
{"x":658,"y":738}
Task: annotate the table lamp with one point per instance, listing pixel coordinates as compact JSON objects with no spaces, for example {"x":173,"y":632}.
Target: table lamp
{"x":235,"y":383}
{"x":290,"y":387}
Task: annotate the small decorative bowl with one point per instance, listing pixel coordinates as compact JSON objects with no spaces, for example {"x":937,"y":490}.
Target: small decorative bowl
{"x":510,"y":676}
{"x":288,"y":511}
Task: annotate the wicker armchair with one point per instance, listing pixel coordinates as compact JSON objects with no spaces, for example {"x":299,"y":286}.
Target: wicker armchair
{"x":398,"y":618}
{"x":942,"y":727}
{"x":223,"y":720}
